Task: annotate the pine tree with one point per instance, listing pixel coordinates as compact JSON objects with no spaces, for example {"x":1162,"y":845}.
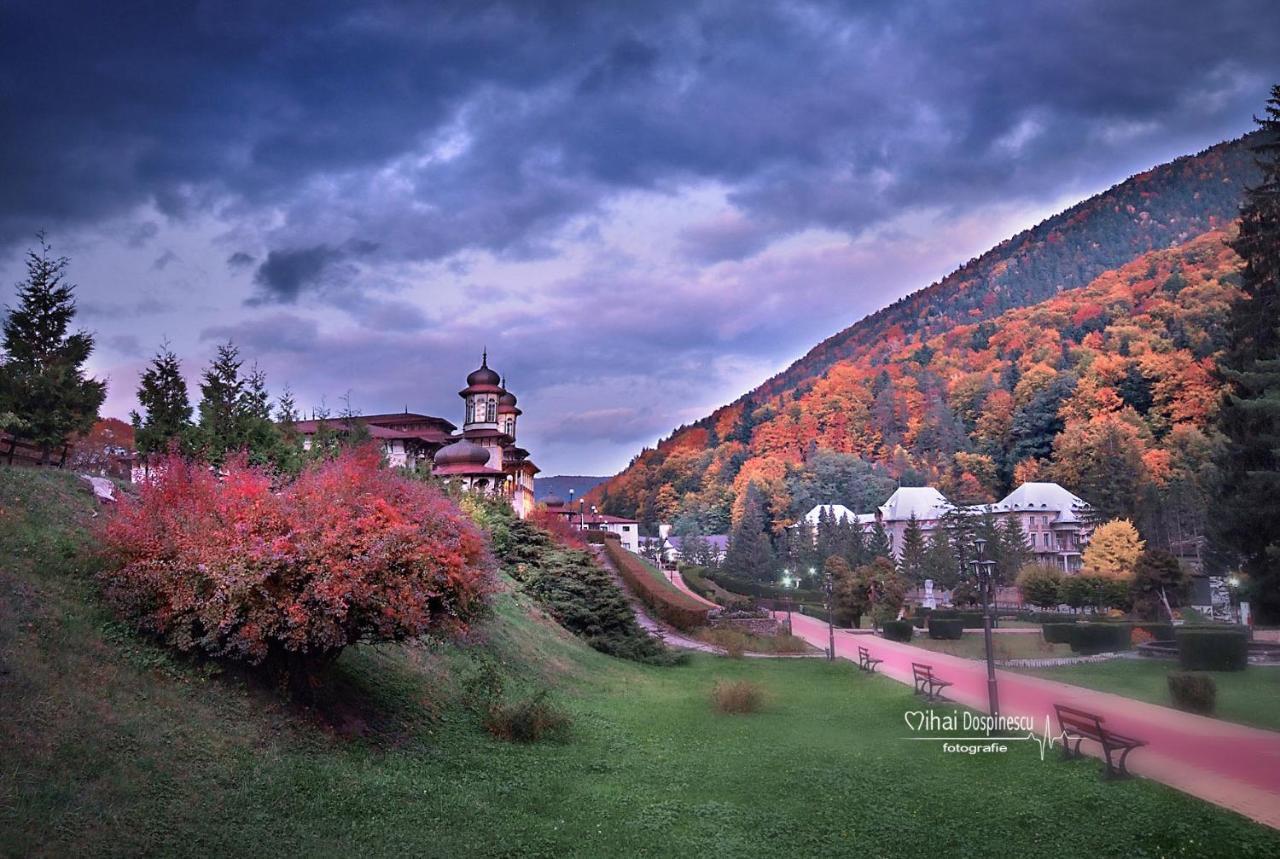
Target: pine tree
{"x":879,"y":546}
{"x":222,"y":399}
{"x":911,"y":563}
{"x":750,"y":553}
{"x":162,"y":393}
{"x":1247,"y":518}
{"x":44,"y":395}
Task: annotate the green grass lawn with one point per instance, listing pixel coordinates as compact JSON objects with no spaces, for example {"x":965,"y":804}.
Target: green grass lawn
{"x":971,"y":646}
{"x":110,"y":747}
{"x":1251,"y":697}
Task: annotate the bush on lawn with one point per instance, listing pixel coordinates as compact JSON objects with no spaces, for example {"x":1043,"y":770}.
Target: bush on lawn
{"x":528,"y":720}
{"x":944,"y":628}
{"x":675,"y":607}
{"x":897,"y":630}
{"x":1057,"y":633}
{"x":1054,"y":617}
{"x":1213,"y":648}
{"x":971,"y":619}
{"x":920,"y":618}
{"x":1193,"y":692}
{"x":737,"y":696}
{"x":1092,"y":638}
{"x":226,"y":565}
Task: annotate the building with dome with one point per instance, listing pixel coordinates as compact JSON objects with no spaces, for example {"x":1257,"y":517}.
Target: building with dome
{"x":481,"y":457}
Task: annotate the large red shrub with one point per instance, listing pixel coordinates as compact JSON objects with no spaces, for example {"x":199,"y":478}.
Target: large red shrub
{"x":228,"y":565}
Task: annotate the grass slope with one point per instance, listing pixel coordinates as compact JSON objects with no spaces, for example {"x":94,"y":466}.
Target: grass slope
{"x":108,"y":747}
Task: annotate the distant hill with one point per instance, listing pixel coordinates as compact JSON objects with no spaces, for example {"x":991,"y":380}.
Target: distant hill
{"x":1111,"y":309}
{"x":559,"y":486}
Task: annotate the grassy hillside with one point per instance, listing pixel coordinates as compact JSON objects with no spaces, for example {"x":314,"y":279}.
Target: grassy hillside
{"x":109,"y":747}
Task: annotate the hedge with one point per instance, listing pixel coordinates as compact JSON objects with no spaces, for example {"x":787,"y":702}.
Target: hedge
{"x":1091,"y":638}
{"x":971,"y":619}
{"x":896,"y":630}
{"x":756,"y":589}
{"x":1057,"y":633}
{"x":921,"y":618}
{"x":945,"y":628}
{"x":1054,"y":617}
{"x":675,"y":607}
{"x":1213,"y":648}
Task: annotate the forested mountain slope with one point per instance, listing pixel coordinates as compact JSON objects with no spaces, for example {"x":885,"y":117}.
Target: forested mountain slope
{"x":1093,"y":333}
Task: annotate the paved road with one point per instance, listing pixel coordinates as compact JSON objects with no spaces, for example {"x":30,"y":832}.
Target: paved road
{"x":1230,"y":765}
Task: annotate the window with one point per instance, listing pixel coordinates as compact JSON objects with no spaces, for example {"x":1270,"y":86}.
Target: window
{"x":626,"y":527}
{"x":1033,"y":541}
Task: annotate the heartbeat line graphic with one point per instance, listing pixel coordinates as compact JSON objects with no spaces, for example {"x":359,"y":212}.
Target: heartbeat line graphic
{"x":1045,"y":741}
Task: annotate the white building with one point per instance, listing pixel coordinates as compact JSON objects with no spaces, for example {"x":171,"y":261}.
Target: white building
{"x":1054,"y":520}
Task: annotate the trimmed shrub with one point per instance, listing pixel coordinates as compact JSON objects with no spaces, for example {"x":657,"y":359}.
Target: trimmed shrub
{"x":1057,"y":633}
{"x":1091,"y":638}
{"x":229,"y":565}
{"x":921,"y":618}
{"x":945,"y":613}
{"x":897,"y":630}
{"x":675,"y":607}
{"x":737,"y":696}
{"x":971,"y":619}
{"x":1213,"y":648}
{"x":1193,"y":692}
{"x":1055,"y":617}
{"x":944,"y":628}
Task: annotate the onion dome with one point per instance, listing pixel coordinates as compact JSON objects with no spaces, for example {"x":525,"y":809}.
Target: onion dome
{"x":483,"y":375}
{"x":507,"y":404}
{"x":461,"y":452}
{"x":553,"y":502}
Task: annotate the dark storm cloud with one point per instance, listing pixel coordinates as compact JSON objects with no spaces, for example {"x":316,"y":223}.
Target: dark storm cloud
{"x":817,"y":113}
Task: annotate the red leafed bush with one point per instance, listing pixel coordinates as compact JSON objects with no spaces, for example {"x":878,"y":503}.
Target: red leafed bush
{"x":557,"y":526}
{"x":348,"y":553}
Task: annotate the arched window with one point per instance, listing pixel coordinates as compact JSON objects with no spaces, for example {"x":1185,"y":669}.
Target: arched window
{"x":471,"y":409}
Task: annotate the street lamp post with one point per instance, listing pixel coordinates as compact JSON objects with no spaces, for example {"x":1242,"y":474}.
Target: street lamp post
{"x":828,"y":588}
{"x":983,"y":569}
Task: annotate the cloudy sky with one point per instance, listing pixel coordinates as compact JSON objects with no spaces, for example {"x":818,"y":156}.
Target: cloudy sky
{"x":641,"y":209}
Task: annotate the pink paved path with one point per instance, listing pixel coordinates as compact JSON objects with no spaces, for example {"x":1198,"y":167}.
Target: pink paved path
{"x":1230,"y":765}
{"x":678,"y":581}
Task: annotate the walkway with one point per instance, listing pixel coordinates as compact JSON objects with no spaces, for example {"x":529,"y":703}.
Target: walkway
{"x":1230,"y":765}
{"x":678,"y":580}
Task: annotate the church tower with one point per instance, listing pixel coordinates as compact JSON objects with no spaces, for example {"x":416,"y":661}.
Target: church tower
{"x":481,"y":395}
{"x":508,"y":412}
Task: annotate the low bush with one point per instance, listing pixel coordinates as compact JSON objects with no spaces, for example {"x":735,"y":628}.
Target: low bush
{"x":1091,"y":638}
{"x":675,"y":607}
{"x":1213,"y":648}
{"x":1193,"y":692}
{"x":763,"y":591}
{"x":920,"y":618}
{"x":737,"y":696}
{"x":1054,"y":617}
{"x":230,"y":565}
{"x":945,"y":613}
{"x":1057,"y":633}
{"x":528,"y":720}
{"x":896,"y":630}
{"x":971,"y":619}
{"x":945,"y":628}
{"x":1157,"y":631}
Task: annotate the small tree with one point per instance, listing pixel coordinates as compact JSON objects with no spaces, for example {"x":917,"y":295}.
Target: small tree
{"x":166,"y":408}
{"x":1040,"y":585}
{"x":44,"y":394}
{"x":1113,"y":550}
{"x":879,"y":546}
{"x":911,"y":563}
{"x":750,"y":552}
{"x":1159,"y":585}
{"x":874,"y":587}
{"x":1076,"y":591}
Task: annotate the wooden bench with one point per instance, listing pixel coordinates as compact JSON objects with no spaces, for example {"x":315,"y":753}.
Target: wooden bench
{"x":1079,"y":725}
{"x":865,"y":662}
{"x":926,"y":683}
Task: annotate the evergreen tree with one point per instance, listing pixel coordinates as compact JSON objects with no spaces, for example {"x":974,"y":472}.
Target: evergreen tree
{"x":879,"y":546}
{"x":1012,"y":553}
{"x":222,"y":399}
{"x":855,"y":546}
{"x":162,"y":393}
{"x":1247,"y":519}
{"x":911,"y":563}
{"x":939,"y":561}
{"x":750,"y":553}
{"x":44,"y":395}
